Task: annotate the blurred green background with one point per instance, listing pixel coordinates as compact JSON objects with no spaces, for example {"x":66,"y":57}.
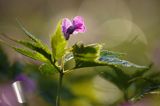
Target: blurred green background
{"x":127,"y":26}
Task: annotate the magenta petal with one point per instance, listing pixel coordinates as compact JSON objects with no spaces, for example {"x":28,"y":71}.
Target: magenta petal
{"x":74,"y":27}
{"x":79,"y":25}
{"x":66,"y":23}
{"x":80,"y":30}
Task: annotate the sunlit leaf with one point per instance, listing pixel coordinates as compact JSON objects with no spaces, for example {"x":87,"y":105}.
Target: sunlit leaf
{"x":31,"y":54}
{"x":58,"y":43}
{"x":34,"y":46}
{"x":86,"y":56}
{"x":91,"y":55}
{"x":114,"y":60}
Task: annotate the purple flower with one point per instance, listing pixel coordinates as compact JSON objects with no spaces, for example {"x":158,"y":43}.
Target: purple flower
{"x":29,"y":84}
{"x":73,"y":27}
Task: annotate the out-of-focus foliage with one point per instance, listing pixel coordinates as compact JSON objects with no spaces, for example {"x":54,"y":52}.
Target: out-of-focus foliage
{"x":8,"y":71}
{"x":46,"y":85}
{"x":134,"y":86}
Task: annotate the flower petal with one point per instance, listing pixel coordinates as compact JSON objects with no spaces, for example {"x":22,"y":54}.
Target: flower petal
{"x":66,"y":23}
{"x":79,"y":25}
{"x":80,"y":30}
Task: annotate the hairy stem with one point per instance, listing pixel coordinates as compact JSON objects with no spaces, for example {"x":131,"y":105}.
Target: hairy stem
{"x":58,"y":99}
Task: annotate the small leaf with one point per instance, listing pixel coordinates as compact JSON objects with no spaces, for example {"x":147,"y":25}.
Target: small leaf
{"x":58,"y":42}
{"x":47,"y":68}
{"x":31,"y":54}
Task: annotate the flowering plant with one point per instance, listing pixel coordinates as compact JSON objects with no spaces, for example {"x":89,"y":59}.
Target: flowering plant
{"x":84,"y":55}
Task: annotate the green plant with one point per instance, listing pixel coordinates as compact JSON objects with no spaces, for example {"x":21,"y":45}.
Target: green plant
{"x":84,"y":55}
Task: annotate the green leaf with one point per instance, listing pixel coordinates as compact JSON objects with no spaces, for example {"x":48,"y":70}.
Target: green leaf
{"x":58,"y":43}
{"x":37,"y":45}
{"x":89,"y":52}
{"x":141,"y":72}
{"x":86,"y":56}
{"x":112,"y":53}
{"x":38,"y":48}
{"x":47,"y":68}
{"x":116,"y":76}
{"x":141,"y":86}
{"x":145,"y":82}
{"x":91,"y":55}
{"x":114,"y":60}
{"x":31,"y":54}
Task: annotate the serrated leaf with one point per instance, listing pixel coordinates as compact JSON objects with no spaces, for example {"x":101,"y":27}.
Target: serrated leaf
{"x":31,"y":54}
{"x":47,"y":68}
{"x":86,"y":56}
{"x":114,"y":60}
{"x":89,"y":52}
{"x":36,"y":47}
{"x":58,"y":42}
{"x":90,"y":56}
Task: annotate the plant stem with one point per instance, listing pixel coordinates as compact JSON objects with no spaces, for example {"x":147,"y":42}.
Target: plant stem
{"x":58,"y":99}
